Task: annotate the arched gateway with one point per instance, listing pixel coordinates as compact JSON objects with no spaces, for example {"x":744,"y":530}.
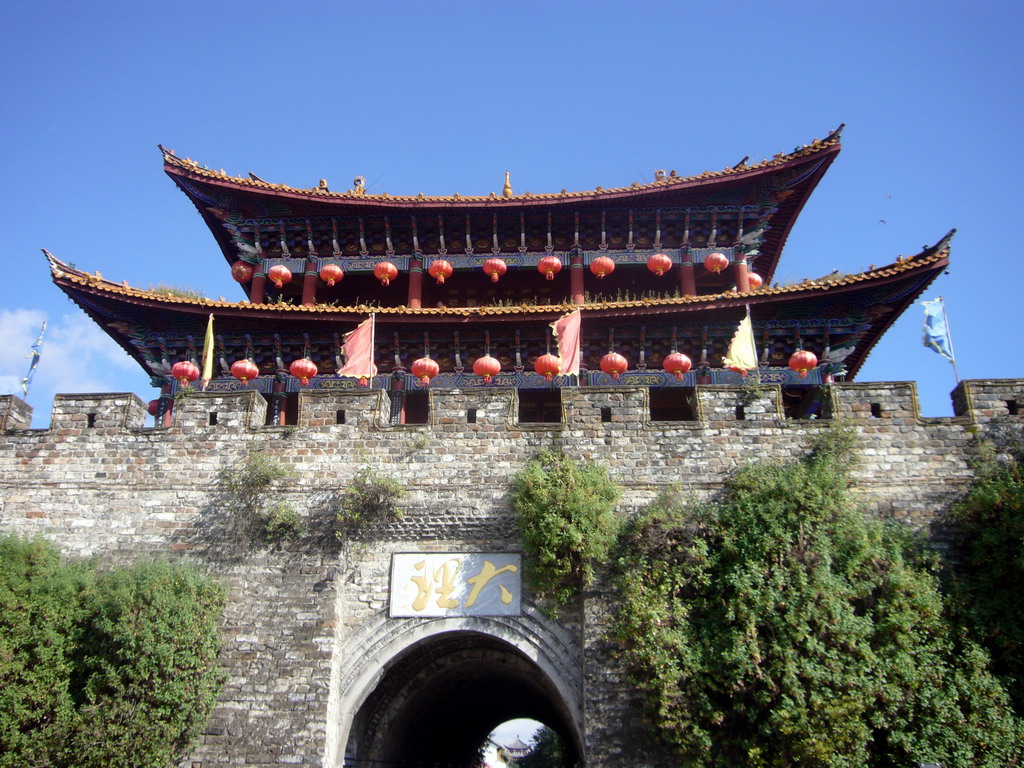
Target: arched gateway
{"x":409,"y":691}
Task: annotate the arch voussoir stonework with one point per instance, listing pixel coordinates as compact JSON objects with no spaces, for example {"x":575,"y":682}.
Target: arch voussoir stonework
{"x":362,"y":659}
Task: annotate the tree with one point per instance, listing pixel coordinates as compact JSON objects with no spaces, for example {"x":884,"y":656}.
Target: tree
{"x":991,"y":577}
{"x":566,"y":515}
{"x":778,"y":627}
{"x":547,"y":752}
{"x":103,"y":669}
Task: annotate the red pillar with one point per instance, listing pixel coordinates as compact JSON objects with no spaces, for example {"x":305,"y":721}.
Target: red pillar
{"x":309,"y":278}
{"x":415,"y":300}
{"x":742,"y":275}
{"x":259,"y":284}
{"x":168,"y":404}
{"x":687,"y":280}
{"x":576,"y":277}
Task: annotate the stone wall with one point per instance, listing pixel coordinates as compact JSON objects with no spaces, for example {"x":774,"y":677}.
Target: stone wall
{"x":307,"y":618}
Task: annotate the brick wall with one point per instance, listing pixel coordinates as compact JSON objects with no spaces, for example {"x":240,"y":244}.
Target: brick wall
{"x":98,"y":482}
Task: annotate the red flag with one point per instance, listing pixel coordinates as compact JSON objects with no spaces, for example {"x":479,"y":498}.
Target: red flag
{"x":567,"y":331}
{"x":358,"y":351}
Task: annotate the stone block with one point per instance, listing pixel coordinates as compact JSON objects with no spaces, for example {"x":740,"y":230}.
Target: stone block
{"x":119,"y":410}
{"x":886,"y":402}
{"x":15,"y":413}
{"x":236,"y":411}
{"x":357,"y":408}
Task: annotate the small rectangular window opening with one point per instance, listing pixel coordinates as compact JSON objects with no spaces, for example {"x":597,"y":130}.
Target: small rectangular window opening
{"x":540,"y":406}
{"x":415,"y":408}
{"x":1012,"y":408}
{"x":876,"y":410}
{"x":212,"y":419}
{"x":471,"y":416}
{"x":606,"y":415}
{"x":741,"y":413}
{"x":90,"y":420}
{"x":671,"y":404}
{"x":339,"y":417}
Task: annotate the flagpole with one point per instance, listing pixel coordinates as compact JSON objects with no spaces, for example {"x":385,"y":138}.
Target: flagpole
{"x":949,"y":335}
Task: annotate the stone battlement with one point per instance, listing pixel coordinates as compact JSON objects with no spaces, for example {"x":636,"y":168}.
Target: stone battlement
{"x":974,"y":401}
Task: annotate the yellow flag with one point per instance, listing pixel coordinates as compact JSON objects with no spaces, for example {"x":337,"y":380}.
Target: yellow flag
{"x":741,"y":355}
{"x":208,"y":353}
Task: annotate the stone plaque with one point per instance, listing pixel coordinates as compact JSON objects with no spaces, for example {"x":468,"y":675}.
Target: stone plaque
{"x":455,"y":584}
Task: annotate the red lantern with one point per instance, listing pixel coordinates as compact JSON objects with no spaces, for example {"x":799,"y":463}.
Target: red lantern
{"x":659,"y":263}
{"x":716,"y":262}
{"x":439,"y":270}
{"x":487,"y":367}
{"x":755,"y":281}
{"x":495,"y":268}
{"x":614,"y":365}
{"x":185,"y":372}
{"x":549,"y":266}
{"x":547,"y":366}
{"x":602,"y":266}
{"x":153,"y":408}
{"x":244,"y":370}
{"x":385,"y":271}
{"x":425,"y":369}
{"x":677,"y":364}
{"x":331,"y":273}
{"x":242,"y":272}
{"x":303,"y":370}
{"x":279,"y":274}
{"x":802,"y":361}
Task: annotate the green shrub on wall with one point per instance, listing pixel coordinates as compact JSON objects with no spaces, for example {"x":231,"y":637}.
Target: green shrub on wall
{"x":991,"y":579}
{"x":370,"y":499}
{"x":248,"y":486}
{"x":103,"y":669}
{"x":566,"y":515}
{"x":778,"y":627}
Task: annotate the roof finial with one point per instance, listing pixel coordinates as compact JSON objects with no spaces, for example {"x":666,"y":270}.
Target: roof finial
{"x":359,"y":185}
{"x":506,"y":191}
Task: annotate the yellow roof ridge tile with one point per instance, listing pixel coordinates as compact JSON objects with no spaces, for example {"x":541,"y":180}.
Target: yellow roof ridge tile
{"x":190,"y":165}
{"x":96,"y":281}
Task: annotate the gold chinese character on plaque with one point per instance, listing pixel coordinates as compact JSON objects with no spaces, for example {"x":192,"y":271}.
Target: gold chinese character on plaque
{"x":455,"y":584}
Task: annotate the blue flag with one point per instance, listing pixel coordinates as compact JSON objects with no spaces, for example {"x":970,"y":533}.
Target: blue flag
{"x":936,"y":334}
{"x":37,"y":350}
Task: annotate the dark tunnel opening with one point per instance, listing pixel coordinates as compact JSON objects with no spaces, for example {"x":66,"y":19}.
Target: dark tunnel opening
{"x":436,"y":703}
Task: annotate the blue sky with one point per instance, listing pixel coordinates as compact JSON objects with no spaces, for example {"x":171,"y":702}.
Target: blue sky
{"x":443,"y":98}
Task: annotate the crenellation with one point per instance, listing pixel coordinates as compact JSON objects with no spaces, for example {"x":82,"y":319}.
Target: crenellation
{"x":107,"y":411}
{"x":983,"y":400}
{"x":15,"y":413}
{"x":219,"y":411}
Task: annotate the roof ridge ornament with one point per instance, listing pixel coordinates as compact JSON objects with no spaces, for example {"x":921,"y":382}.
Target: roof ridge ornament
{"x":506,"y":191}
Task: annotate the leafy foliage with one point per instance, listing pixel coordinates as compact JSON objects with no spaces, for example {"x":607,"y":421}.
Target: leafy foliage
{"x":991,"y":581}
{"x":566,"y":515}
{"x":103,"y":669}
{"x":779,"y":627}
{"x":181,"y":292}
{"x":282,"y":522}
{"x":249,"y":486}
{"x":548,"y":751}
{"x":371,"y":497}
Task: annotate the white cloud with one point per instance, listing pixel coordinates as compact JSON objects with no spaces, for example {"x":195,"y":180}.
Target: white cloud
{"x":77,"y":357}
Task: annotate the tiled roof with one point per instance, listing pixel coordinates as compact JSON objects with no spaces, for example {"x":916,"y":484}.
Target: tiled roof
{"x":95,"y":281}
{"x":195,"y":169}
